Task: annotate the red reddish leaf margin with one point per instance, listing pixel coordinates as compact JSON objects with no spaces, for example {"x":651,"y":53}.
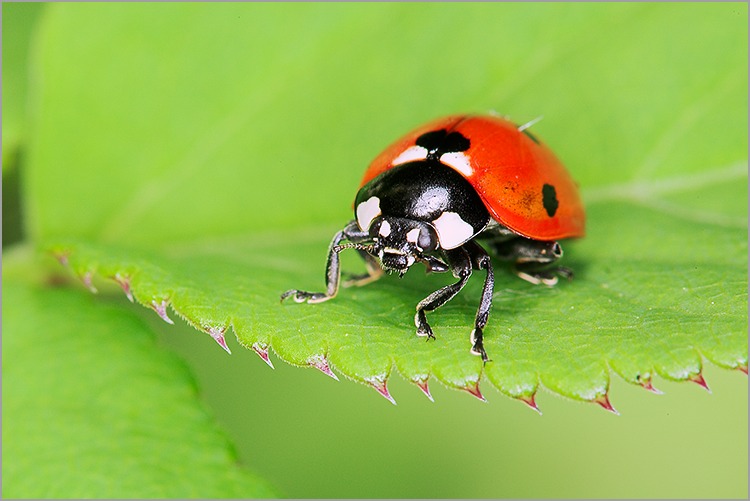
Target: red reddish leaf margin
{"x":86,"y":268}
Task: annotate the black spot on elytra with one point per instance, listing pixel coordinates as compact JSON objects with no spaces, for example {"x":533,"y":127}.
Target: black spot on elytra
{"x":549,"y":199}
{"x":438,"y":142}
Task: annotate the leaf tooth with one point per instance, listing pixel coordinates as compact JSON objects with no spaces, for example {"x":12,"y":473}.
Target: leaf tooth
{"x":380,"y":383}
{"x":603,"y":400}
{"x":646,"y":383}
{"x":87,"y":279}
{"x":160,"y":307}
{"x":262,"y":351}
{"x":320,"y":362}
{"x":422,"y":385}
{"x":530,"y":400}
{"x":700,"y":381}
{"x":218,"y":334}
{"x":124,"y":282}
{"x":472,"y":387}
{"x":62,"y":256}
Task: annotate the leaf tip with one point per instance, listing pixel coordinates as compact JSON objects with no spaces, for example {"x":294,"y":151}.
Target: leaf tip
{"x":381,"y":385}
{"x":530,"y":400}
{"x":422,"y":385}
{"x":648,"y":385}
{"x":217,"y":333}
{"x":742,"y":368}
{"x":320,"y":362}
{"x":124,"y":282}
{"x":473,"y":389}
{"x":88,"y":280}
{"x":262,"y":351}
{"x":700,"y":381}
{"x":61,"y":256}
{"x":603,"y":401}
{"x":160,"y":307}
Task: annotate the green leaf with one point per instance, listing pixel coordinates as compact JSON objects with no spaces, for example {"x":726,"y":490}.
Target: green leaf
{"x":640,"y":313}
{"x":18,"y":23}
{"x":93,"y":408}
{"x":208,"y":139}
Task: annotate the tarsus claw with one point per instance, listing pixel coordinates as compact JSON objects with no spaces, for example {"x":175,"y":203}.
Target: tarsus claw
{"x":477,"y":347}
{"x":423,"y":328}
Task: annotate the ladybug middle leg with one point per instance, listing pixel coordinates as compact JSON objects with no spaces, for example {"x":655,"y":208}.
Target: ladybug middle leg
{"x":374,"y":272}
{"x":461,"y":261}
{"x":532,"y":259}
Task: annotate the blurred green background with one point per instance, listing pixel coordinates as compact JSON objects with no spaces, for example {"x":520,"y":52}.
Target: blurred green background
{"x":604,"y":76}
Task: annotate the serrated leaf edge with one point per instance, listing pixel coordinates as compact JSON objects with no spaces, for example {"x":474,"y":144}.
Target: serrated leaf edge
{"x":161,"y":302}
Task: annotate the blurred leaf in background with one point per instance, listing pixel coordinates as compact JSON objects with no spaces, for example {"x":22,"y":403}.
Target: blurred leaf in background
{"x":103,"y":413}
{"x":16,"y":38}
{"x":232,"y":137}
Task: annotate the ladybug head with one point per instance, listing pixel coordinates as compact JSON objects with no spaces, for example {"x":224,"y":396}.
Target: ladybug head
{"x":399,"y":242}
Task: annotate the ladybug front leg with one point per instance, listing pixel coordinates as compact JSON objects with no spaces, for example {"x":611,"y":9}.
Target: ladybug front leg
{"x":351,"y":233}
{"x":459,"y":261}
{"x":481,"y":261}
{"x":462,"y":261}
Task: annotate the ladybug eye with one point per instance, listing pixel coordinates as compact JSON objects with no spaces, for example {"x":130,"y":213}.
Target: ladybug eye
{"x":424,"y":238}
{"x":426,"y":241}
{"x":379,"y":228}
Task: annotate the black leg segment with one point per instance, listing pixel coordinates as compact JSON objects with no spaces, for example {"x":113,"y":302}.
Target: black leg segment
{"x":353,"y":234}
{"x":481,"y":260}
{"x":462,"y":261}
{"x":459,"y":262}
{"x":532,"y":259}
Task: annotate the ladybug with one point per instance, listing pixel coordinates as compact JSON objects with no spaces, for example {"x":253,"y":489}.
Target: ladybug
{"x":450,"y":194}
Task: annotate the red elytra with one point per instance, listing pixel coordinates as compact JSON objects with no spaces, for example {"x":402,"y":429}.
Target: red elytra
{"x":509,"y":170}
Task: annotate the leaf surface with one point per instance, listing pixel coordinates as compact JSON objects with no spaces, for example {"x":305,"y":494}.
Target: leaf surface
{"x":640,"y":312}
{"x":214,"y":176}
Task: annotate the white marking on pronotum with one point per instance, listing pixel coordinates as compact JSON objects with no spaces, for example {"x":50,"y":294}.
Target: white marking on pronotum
{"x":367,"y":211}
{"x":413,"y":235}
{"x":410,"y":154}
{"x":458,"y":161}
{"x":530,"y":123}
{"x":385,"y":229}
{"x":452,"y":230}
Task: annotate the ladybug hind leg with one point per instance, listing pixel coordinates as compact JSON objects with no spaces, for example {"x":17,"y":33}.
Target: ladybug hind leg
{"x":533,"y":260}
